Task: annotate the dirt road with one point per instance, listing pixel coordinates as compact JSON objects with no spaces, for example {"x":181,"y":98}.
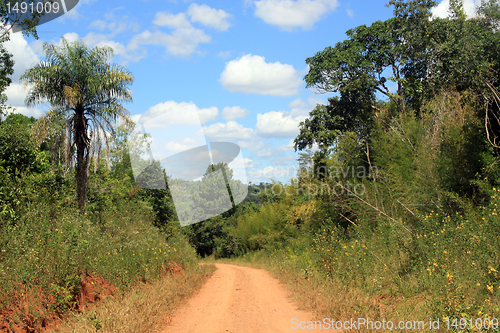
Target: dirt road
{"x":239,"y":300}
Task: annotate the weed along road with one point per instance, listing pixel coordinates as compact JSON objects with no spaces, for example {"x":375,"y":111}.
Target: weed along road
{"x":239,"y":300}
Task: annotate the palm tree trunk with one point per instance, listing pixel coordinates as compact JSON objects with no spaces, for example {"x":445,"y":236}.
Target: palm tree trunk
{"x":81,"y":147}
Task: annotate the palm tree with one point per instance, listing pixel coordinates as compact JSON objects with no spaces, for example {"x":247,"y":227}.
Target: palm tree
{"x":84,"y":90}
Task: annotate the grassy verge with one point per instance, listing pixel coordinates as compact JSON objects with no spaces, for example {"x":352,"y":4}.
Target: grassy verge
{"x":143,"y":309}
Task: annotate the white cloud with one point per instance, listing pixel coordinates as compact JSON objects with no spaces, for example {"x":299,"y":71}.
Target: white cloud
{"x":271,"y":172}
{"x":96,"y":39}
{"x":290,"y":14}
{"x":299,"y":107}
{"x":28,"y":112}
{"x":24,"y":57}
{"x":266,"y":152}
{"x":250,"y":164}
{"x":23,"y":54}
{"x":70,"y":37}
{"x":178,"y":21}
{"x":278,"y":124}
{"x":252,"y":75}
{"x":182,"y":144}
{"x":181,"y":42}
{"x":349,"y":12}
{"x":129,"y":52}
{"x":251,"y":145}
{"x":232,"y":113}
{"x":470,"y":6}
{"x":215,"y":18}
{"x":16,"y":94}
{"x":228,"y":131}
{"x":115,"y":24}
{"x":171,"y":113}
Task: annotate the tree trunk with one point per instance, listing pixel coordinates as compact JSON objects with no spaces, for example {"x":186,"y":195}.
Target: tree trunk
{"x":81,"y":141}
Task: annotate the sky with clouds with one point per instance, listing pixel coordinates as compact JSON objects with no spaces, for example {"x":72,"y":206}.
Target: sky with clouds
{"x":237,"y":65}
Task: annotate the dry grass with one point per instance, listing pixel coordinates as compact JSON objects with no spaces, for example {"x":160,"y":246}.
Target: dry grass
{"x":343,"y":302}
{"x":147,"y":308}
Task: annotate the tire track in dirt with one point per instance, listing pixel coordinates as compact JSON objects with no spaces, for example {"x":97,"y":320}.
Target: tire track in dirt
{"x":239,"y":299}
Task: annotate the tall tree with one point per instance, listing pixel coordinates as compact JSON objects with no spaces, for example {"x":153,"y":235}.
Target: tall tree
{"x":422,"y":56}
{"x":86,"y":90}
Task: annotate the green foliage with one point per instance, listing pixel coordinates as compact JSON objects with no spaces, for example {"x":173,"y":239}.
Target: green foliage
{"x":6,"y":69}
{"x":21,"y":162}
{"x":18,"y":151}
{"x":424,"y":57}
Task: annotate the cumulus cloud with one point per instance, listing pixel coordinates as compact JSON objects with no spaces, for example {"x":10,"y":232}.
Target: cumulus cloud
{"x":271,"y":172}
{"x":282,"y":124}
{"x":228,"y":131}
{"x":182,"y":144}
{"x":251,"y":74}
{"x":232,"y":113}
{"x":16,"y":94}
{"x":178,"y":21}
{"x":171,"y":113}
{"x":22,"y":52}
{"x":181,"y":42}
{"x":25,"y":57}
{"x":92,"y":39}
{"x":290,"y":14}
{"x":470,"y":6}
{"x":278,"y":124}
{"x":115,"y":24}
{"x":215,"y":18}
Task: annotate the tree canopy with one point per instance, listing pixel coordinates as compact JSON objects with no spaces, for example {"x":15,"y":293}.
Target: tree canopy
{"x":408,"y":59}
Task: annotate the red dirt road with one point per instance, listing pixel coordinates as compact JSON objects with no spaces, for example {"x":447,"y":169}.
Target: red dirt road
{"x":239,"y":300}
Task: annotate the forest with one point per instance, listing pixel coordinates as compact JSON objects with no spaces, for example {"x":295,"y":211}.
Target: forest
{"x":394,"y":208}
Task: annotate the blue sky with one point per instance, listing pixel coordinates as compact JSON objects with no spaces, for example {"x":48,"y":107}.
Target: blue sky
{"x":240,"y":64}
